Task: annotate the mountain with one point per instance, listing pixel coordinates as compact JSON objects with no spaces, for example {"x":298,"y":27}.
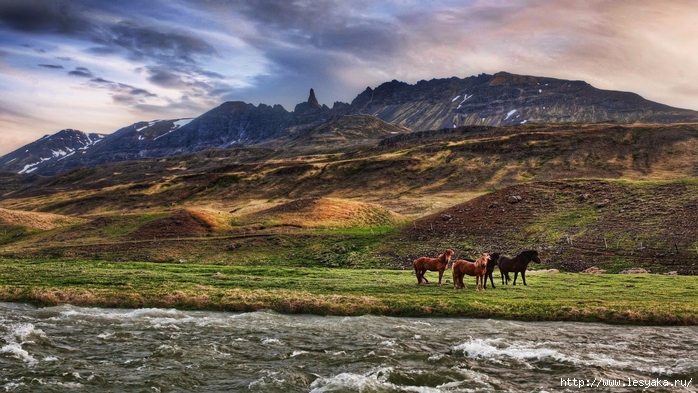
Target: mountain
{"x":56,"y":149}
{"x":483,"y":100}
{"x":507,"y":99}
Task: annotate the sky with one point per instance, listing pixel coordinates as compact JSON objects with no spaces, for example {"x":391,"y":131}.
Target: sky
{"x":100,"y":65}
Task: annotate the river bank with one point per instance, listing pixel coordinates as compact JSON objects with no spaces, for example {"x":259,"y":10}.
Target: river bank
{"x":611,"y":298}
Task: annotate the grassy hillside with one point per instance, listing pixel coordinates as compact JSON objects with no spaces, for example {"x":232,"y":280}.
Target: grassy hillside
{"x":602,"y":195}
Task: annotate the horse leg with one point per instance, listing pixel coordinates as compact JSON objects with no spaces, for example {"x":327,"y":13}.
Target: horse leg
{"x":491,"y":281}
{"x":516,"y":274}
{"x":441,"y":273}
{"x":459,"y":279}
{"x":523,"y":276}
{"x":420,"y":275}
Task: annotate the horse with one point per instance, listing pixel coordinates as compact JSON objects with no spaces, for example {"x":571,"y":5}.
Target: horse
{"x":440,"y":263}
{"x":517,"y":264}
{"x":494,"y":259}
{"x":478,"y":269}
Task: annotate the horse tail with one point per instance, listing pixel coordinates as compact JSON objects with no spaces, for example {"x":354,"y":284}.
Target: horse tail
{"x":414,"y":267}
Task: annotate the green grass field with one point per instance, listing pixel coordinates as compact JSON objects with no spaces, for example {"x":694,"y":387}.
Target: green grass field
{"x":611,"y":298}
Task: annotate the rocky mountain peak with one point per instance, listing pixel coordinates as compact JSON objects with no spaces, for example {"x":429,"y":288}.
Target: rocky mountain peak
{"x":312,"y":100}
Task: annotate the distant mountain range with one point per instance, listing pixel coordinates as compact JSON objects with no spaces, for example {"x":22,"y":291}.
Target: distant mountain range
{"x":57,"y":150}
{"x":487,"y":100}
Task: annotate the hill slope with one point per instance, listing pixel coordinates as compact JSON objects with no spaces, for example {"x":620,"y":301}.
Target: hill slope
{"x":641,"y":212}
{"x":577,"y":224}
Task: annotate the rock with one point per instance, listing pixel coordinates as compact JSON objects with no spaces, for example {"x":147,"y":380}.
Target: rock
{"x":583,"y":197}
{"x":634,"y":270}
{"x":544,"y":271}
{"x":671,"y":273}
{"x":603,"y":203}
{"x":446,"y":217}
{"x":312,"y":100}
{"x":593,"y":270}
{"x":493,"y":205}
{"x":514,"y":199}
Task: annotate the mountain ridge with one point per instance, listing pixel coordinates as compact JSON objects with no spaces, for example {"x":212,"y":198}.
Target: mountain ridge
{"x":500,"y":99}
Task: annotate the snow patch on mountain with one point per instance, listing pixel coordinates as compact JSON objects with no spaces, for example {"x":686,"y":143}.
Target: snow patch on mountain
{"x":464,"y":99}
{"x":177,"y":125}
{"x":61,"y":153}
{"x":150,"y":124}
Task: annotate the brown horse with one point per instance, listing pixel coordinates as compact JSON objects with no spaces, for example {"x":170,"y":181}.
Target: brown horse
{"x":440,"y":263}
{"x":517,"y":264}
{"x":478,"y":269}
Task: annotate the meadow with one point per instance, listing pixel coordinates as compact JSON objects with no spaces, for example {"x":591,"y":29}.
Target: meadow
{"x":643,"y":299}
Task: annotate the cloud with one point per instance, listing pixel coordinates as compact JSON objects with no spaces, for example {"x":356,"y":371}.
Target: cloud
{"x":142,"y":42}
{"x":81,"y":72}
{"x":43,"y":16}
{"x":325,"y":25}
{"x":52,"y":66}
{"x":121,"y":89}
{"x":162,"y":76}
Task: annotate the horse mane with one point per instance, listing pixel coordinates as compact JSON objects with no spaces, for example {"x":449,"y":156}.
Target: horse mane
{"x":445,"y":258}
{"x":482,"y":260}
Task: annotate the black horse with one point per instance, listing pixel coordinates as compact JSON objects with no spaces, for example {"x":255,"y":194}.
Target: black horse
{"x":494,"y":258}
{"x":517,"y":264}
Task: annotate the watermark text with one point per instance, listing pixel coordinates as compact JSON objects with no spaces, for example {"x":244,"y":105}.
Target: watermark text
{"x":628,"y":382}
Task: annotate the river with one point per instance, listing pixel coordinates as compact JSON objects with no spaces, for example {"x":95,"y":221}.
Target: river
{"x":69,"y":348}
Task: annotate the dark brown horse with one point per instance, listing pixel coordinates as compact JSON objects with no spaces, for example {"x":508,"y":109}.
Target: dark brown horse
{"x":478,"y":269}
{"x":494,"y":260}
{"x":518,"y":264}
{"x":440,"y":263}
